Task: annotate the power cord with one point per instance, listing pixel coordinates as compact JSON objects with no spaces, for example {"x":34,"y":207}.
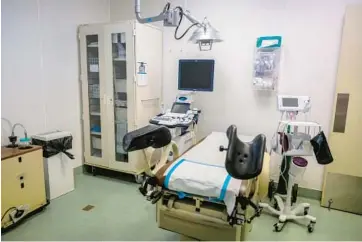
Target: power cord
{"x":12,"y":208}
{"x":167,"y":7}
{"x":179,"y":23}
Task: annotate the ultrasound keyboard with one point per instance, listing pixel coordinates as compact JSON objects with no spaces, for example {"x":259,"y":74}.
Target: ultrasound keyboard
{"x":172,"y":121}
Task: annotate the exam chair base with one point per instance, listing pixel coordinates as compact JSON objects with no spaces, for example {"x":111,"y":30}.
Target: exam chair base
{"x":180,"y":216}
{"x":285,"y":213}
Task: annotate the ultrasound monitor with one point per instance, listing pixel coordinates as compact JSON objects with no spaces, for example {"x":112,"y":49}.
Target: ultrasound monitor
{"x":180,"y":108}
{"x":196,"y":75}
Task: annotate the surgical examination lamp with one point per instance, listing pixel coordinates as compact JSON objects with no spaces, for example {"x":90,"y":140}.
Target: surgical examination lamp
{"x":205,"y":35}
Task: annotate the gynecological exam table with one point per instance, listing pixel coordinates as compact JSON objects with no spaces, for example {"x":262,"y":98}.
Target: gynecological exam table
{"x":204,"y":194}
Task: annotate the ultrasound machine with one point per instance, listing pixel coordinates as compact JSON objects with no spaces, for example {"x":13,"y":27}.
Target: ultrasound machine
{"x":182,"y":118}
{"x":180,"y":115}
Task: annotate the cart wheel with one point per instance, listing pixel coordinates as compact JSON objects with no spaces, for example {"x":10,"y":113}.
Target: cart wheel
{"x":94,"y":171}
{"x":278,"y":226}
{"x":139,"y":178}
{"x":294,"y":193}
{"x":306,"y":211}
{"x":311,"y":227}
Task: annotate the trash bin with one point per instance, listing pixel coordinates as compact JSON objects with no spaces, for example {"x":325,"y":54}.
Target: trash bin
{"x":58,"y":165}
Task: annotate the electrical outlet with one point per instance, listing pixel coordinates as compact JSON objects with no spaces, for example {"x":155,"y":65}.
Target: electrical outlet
{"x":24,"y":207}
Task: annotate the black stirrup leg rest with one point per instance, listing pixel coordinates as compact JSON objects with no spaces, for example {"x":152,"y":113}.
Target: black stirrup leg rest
{"x":244,"y":160}
{"x":150,"y":135}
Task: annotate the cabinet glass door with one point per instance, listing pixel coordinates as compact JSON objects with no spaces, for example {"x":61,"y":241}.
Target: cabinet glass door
{"x":119,"y":75}
{"x":94,"y":96}
{"x":120,"y":104}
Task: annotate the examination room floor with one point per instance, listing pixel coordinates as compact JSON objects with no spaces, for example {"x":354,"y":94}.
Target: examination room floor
{"x":121,"y":213}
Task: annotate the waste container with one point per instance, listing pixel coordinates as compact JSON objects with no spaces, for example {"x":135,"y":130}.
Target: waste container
{"x":58,"y":165}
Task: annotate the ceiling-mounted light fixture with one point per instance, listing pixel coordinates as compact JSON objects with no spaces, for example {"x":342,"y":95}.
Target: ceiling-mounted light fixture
{"x":205,"y":35}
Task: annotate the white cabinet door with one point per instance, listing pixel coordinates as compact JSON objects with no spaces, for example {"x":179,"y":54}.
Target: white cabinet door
{"x":148,"y":71}
{"x":119,"y":62}
{"x":342,"y":188}
{"x":148,"y":52}
{"x":91,"y":39}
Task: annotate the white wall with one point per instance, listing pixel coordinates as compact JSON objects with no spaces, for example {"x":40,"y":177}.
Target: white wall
{"x":311,"y":33}
{"x":39,"y":77}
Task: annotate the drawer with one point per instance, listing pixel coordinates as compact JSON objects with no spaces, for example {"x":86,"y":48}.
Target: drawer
{"x":32,"y":160}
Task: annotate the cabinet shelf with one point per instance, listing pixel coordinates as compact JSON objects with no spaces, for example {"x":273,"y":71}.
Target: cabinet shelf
{"x":96,"y":133}
{"x":120,"y":121}
{"x":120,"y":59}
{"x":93,"y":45}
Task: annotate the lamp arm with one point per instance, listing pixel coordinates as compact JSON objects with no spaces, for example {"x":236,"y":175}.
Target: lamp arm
{"x":143,"y":20}
{"x":191,"y":18}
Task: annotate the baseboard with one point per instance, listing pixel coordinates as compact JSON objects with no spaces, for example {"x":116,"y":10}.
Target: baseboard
{"x":78,"y":170}
{"x":307,"y":193}
{"x":310,"y":193}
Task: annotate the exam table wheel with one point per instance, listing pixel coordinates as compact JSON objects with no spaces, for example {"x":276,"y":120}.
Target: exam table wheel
{"x":279,"y":226}
{"x":311,"y":227}
{"x":139,"y":178}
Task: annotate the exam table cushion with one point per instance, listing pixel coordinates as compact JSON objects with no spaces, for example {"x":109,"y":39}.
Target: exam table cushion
{"x":201,"y":171}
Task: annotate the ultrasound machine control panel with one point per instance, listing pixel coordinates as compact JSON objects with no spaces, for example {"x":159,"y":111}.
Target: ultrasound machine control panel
{"x":180,"y":115}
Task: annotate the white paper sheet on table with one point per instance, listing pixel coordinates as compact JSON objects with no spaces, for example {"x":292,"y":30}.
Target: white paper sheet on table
{"x":201,"y":171}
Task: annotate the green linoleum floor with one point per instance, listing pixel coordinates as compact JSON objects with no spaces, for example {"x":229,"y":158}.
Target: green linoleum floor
{"x":121,"y":213}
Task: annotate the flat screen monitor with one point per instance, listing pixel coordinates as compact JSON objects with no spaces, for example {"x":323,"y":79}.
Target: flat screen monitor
{"x":196,"y":75}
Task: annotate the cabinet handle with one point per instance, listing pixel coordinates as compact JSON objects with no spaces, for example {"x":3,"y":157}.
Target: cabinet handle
{"x":19,"y":159}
